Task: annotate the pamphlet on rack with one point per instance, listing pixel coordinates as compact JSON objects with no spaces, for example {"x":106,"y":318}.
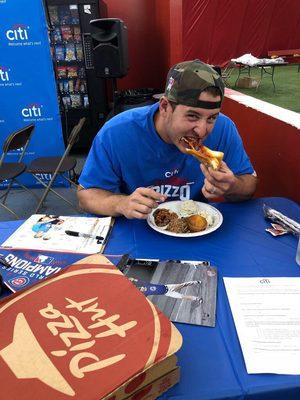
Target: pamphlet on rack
{"x":62,"y":233}
{"x":185,"y":291}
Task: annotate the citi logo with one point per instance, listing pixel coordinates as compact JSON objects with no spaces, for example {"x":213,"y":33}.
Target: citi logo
{"x":264,"y":281}
{"x":168,"y":174}
{"x":33,"y":110}
{"x":18,"y":32}
{"x":4,"y":76}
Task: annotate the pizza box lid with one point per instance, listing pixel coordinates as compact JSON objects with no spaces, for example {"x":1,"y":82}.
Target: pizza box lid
{"x":81,"y":333}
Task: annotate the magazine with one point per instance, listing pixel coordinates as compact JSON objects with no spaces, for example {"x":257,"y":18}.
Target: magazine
{"x":22,"y":268}
{"x":185,"y":291}
{"x":62,"y":233}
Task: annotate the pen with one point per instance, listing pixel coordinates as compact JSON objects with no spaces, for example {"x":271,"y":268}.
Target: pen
{"x":107,"y":235}
{"x":84,"y":235}
{"x":122,"y":264}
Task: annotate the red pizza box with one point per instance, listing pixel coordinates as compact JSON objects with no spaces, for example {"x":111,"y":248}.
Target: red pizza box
{"x":85,"y":333}
{"x":153,"y":390}
{"x":145,"y":378}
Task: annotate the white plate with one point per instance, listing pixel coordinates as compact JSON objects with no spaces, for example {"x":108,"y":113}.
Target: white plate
{"x":175,"y":207}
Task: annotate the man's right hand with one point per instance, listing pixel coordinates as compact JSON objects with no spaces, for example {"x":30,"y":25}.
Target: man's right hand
{"x":139,"y":203}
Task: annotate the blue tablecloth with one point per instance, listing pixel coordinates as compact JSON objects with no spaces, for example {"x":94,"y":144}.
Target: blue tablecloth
{"x":211,"y":360}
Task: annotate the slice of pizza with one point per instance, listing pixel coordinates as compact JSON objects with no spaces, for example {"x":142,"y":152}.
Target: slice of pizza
{"x":208,"y":157}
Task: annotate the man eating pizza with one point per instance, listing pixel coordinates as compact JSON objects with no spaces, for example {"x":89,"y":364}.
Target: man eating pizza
{"x":180,"y":148}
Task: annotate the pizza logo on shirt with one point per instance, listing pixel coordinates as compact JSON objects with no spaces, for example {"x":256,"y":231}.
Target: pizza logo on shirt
{"x":174,"y":187}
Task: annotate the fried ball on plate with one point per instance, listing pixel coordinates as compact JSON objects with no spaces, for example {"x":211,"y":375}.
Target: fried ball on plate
{"x":196,"y":223}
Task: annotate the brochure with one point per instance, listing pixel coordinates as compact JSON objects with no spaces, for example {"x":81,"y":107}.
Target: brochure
{"x":185,"y":291}
{"x":62,"y":233}
{"x":22,"y":268}
{"x":266,"y":314}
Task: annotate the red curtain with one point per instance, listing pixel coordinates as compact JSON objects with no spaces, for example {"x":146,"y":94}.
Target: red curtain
{"x":217,"y":30}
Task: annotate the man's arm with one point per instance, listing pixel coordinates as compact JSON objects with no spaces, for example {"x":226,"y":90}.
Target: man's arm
{"x":224,"y":183}
{"x":243,"y":188}
{"x":102,"y":202}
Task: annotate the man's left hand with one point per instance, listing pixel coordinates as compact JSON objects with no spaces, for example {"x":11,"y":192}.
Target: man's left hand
{"x":217,"y":182}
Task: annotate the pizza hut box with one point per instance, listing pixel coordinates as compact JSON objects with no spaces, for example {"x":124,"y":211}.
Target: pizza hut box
{"x":138,"y":383}
{"x":156,"y":388}
{"x":85,"y":333}
{"x":247,"y":82}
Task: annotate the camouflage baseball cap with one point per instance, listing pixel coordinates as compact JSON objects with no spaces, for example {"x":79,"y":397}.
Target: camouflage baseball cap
{"x":186,"y":80}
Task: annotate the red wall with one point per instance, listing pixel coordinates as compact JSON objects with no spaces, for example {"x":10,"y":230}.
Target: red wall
{"x":273,"y":147}
{"x":218,"y":30}
{"x":148,"y":27}
{"x":163,"y":32}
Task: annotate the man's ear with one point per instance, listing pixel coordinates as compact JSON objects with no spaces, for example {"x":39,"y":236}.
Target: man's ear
{"x":163,"y":105}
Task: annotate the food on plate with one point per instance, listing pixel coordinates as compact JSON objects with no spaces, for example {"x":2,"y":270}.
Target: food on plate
{"x":178,"y":225}
{"x":188,"y":207}
{"x":163,"y":216}
{"x":208,"y":157}
{"x":196,"y":223}
{"x":183,"y":217}
{"x":209,"y":217}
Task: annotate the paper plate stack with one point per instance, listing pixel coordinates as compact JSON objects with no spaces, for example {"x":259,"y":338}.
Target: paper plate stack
{"x":86,"y":333}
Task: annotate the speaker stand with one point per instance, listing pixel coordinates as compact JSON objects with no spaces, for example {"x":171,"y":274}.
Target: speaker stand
{"x":116,"y":97}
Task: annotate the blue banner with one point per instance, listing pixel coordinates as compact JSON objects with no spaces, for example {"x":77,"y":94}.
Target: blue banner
{"x":27,"y":83}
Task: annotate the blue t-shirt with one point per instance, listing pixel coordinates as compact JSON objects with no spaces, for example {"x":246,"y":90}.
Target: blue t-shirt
{"x":128,"y":153}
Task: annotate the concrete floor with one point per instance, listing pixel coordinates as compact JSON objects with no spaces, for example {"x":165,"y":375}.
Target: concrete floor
{"x":24,"y":203}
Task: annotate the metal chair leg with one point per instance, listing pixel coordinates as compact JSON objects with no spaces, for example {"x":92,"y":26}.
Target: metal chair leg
{"x":50,"y":189}
{"x":7,"y":191}
{"x":4,"y":196}
{"x":8,"y":209}
{"x":28,"y":190}
{"x":57,"y":194}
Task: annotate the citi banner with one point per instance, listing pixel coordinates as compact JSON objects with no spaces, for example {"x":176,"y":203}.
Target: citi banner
{"x":27,"y":82}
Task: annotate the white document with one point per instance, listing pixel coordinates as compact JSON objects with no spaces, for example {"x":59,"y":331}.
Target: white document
{"x":48,"y":232}
{"x":266,"y":313}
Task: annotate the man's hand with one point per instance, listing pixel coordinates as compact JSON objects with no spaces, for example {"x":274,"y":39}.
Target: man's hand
{"x":102,"y":202}
{"x":139,"y":203}
{"x":223,"y":182}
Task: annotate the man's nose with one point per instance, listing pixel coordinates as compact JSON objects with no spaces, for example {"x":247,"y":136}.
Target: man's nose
{"x":200,"y":128}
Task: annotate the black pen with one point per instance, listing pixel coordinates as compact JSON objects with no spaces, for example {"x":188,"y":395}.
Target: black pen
{"x":107,"y":235}
{"x":84,"y":235}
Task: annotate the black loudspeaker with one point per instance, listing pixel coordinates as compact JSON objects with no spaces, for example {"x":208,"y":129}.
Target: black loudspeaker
{"x":110,"y":47}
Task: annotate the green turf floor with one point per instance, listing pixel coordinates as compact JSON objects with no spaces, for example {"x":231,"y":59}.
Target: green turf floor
{"x":287,"y":83}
